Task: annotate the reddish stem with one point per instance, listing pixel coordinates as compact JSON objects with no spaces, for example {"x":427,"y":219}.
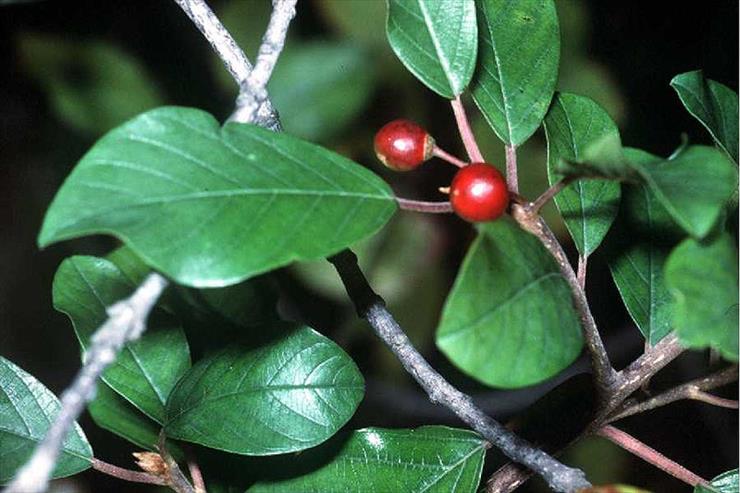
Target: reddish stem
{"x":423,"y":206}
{"x":466,"y":133}
{"x":127,"y":474}
{"x":442,"y":154}
{"x":512,"y":178}
{"x":650,"y":455}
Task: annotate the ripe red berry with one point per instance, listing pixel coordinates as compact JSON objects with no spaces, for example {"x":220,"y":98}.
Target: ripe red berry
{"x":478,"y":193}
{"x":402,"y":145}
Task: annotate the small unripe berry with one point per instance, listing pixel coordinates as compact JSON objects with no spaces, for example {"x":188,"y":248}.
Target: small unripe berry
{"x":402,"y":145}
{"x":478,"y":193}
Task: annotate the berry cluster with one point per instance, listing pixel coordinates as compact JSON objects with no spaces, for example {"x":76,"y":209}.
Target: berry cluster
{"x":478,"y":192}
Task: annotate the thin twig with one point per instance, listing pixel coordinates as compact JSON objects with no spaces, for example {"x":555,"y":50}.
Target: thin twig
{"x":604,"y":374}
{"x":177,"y":480}
{"x":126,"y":322}
{"x":372,"y":308}
{"x":466,"y":133}
{"x":650,"y":455}
{"x":689,"y":390}
{"x":127,"y":474}
{"x":229,"y":52}
{"x":195,"y":473}
{"x":253,"y":91}
{"x":446,"y":156}
{"x":423,"y":206}
{"x":548,"y":194}
{"x":512,"y":178}
{"x":582,"y":271}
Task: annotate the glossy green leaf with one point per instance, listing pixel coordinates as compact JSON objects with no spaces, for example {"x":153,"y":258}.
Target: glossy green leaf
{"x":714,"y":105}
{"x":426,"y":459}
{"x":289,"y":394}
{"x":147,"y":369}
{"x":694,"y":187}
{"x":509,"y":320}
{"x":92,"y":86}
{"x":437,"y":40}
{"x":727,"y":482}
{"x":703,"y":279}
{"x":638,"y":247}
{"x":319,"y":88}
{"x":518,"y":57}
{"x":212,"y":206}
{"x":27,"y":409}
{"x":113,"y":413}
{"x":578,"y":129}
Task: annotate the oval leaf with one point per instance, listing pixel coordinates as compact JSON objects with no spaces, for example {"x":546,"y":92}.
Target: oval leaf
{"x":703,"y":278}
{"x":714,"y":105}
{"x":427,"y":459}
{"x":638,"y":247}
{"x":290,"y":394}
{"x":694,"y":187}
{"x":113,"y":413}
{"x":518,"y":62}
{"x":509,"y":319}
{"x":437,"y":40}
{"x":27,"y":409}
{"x":573,"y":126}
{"x":212,"y":206}
{"x":146,"y":370}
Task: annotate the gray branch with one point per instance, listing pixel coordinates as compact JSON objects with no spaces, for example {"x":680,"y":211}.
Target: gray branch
{"x":372,"y":308}
{"x":126,"y":322}
{"x":230,"y":54}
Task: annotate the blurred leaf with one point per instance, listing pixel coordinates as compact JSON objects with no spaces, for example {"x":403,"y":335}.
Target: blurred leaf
{"x":694,"y":187}
{"x":92,"y":86}
{"x":27,"y":409}
{"x":146,"y":370}
{"x":614,"y":488}
{"x":638,"y":247}
{"x":703,"y":279}
{"x":572,"y":126}
{"x":714,"y":105}
{"x":113,"y":413}
{"x":592,"y":80}
{"x":726,"y":482}
{"x":287,"y":395}
{"x":509,"y":319}
{"x":247,"y":304}
{"x":519,"y":52}
{"x":321,"y":87}
{"x":358,"y":20}
{"x":212,"y":206}
{"x":437,"y":41}
{"x":131,"y":266}
{"x":426,"y":459}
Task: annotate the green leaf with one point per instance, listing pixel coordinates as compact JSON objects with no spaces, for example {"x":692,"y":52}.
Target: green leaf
{"x":437,"y":40}
{"x":27,"y":409}
{"x":426,"y":459}
{"x":147,"y":369}
{"x":289,"y":394}
{"x":518,"y":57}
{"x":92,"y":86}
{"x":694,"y":187}
{"x":727,"y":482}
{"x":211,"y":206}
{"x":113,"y":413}
{"x":703,"y":279}
{"x":714,"y":105}
{"x":509,"y":319}
{"x":579,"y":130}
{"x":638,"y":245}
{"x":319,"y":88}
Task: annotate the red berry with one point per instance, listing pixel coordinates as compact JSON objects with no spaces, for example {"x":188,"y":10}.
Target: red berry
{"x":478,"y":193}
{"x":402,"y":145}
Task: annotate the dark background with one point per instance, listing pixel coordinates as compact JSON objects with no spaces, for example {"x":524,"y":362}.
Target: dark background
{"x":634,"y":48}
